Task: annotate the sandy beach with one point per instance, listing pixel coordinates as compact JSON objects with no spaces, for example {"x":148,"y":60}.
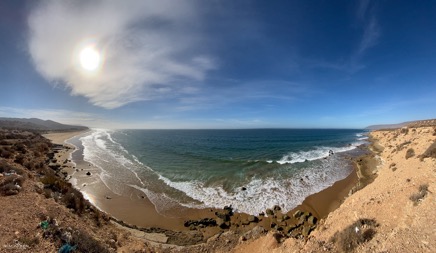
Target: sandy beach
{"x":385,"y":205}
{"x":394,"y":213}
{"x":133,"y":207}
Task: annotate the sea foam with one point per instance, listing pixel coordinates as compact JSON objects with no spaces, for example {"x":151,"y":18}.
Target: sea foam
{"x":120,"y":167}
{"x":261,"y":194}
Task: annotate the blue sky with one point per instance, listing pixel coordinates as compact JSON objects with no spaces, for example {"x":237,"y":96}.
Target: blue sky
{"x":219,"y":64}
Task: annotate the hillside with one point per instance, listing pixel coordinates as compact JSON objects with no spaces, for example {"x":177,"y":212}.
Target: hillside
{"x":37,"y":125}
{"x":417,"y":123}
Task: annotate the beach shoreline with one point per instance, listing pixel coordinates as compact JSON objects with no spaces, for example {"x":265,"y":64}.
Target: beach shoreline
{"x":391,"y":213}
{"x":136,"y":210}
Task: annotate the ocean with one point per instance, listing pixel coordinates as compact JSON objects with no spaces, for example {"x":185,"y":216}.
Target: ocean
{"x":252,"y":169}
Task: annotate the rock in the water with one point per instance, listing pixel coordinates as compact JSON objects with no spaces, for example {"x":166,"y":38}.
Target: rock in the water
{"x":223,"y":224}
{"x":88,"y":173}
{"x":222,"y":216}
{"x":284,"y":218}
{"x":245,"y":222}
{"x":252,"y":218}
{"x":312,"y":220}
{"x":290,"y":229}
{"x":201,"y":223}
{"x":273,"y":225}
{"x":188,"y":223}
{"x":228,"y":210}
{"x":277,"y":208}
{"x":243,"y":188}
{"x":269,"y":212}
{"x":297,"y":214}
{"x":306,"y":231}
{"x":301,"y":220}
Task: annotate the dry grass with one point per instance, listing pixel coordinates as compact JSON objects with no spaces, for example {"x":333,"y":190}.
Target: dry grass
{"x":13,"y":179}
{"x":410,"y":153}
{"x":361,"y":231}
{"x":418,"y":197}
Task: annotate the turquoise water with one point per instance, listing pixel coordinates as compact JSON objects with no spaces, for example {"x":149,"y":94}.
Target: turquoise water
{"x":250,"y":169}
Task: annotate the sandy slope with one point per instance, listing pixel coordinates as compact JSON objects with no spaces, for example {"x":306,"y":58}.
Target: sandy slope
{"x":400,"y":224}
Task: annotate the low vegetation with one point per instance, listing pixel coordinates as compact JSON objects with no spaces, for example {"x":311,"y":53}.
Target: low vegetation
{"x":360,"y":232}
{"x":12,"y":179}
{"x":410,"y":153}
{"x":24,"y":155}
{"x":422,"y":192}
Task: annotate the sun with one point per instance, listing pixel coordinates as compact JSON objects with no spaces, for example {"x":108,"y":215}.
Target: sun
{"x":89,"y":59}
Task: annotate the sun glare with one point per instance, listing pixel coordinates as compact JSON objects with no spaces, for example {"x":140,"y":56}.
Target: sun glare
{"x":89,"y":59}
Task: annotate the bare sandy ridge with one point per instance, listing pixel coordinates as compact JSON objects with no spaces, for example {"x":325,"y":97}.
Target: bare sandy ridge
{"x":396,"y":218}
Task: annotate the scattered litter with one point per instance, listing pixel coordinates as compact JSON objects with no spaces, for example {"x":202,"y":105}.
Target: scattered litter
{"x":44,"y":224}
{"x":66,"y":248}
{"x":66,"y":237}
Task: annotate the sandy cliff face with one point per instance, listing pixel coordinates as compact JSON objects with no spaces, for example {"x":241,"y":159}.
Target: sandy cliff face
{"x":395,"y":213}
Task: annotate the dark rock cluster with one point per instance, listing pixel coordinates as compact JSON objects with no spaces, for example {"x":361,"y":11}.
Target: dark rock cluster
{"x":206,"y":222}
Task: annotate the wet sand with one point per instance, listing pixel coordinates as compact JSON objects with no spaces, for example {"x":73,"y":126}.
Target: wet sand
{"x":134,"y":208}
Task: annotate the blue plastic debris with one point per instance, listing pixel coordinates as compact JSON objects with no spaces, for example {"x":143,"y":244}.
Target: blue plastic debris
{"x":66,"y":248}
{"x":44,"y":224}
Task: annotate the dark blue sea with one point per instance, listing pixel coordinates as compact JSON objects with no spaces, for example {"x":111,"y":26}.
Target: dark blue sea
{"x":250,"y":169}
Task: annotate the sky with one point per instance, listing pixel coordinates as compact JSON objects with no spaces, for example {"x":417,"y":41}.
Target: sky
{"x":218,"y":64}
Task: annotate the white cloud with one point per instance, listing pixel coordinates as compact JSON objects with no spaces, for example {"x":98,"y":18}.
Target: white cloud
{"x":365,"y":15}
{"x":145,"y":44}
{"x":370,"y":35}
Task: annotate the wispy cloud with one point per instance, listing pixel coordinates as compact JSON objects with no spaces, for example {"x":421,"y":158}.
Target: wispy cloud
{"x":371,"y":32}
{"x":362,"y":9}
{"x":371,"y":28}
{"x":234,"y":92}
{"x":148,"y":47}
